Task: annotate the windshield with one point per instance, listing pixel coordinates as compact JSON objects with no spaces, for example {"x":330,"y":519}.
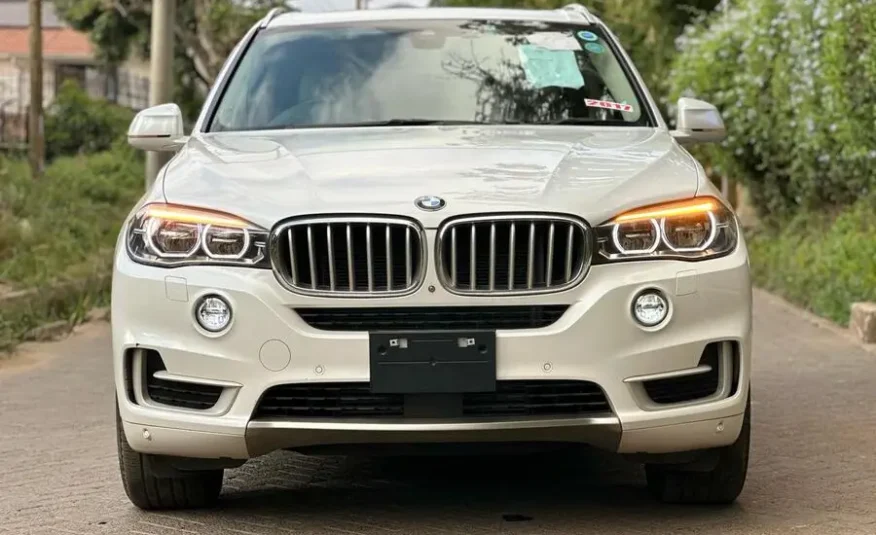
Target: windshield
{"x":429,"y":72}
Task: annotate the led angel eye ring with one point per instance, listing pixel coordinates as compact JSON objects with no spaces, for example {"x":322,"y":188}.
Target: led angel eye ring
{"x":615,"y":237}
{"x":713,"y":233}
{"x":243,"y":250}
{"x":152,"y":226}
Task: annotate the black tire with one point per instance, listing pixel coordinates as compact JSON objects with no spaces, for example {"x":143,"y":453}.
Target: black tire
{"x":721,"y":485}
{"x":169,"y":488}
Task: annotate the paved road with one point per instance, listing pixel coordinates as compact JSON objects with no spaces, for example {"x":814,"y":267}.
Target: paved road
{"x":813,"y":468}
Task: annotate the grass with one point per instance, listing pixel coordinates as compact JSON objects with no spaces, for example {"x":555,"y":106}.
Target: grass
{"x":57,"y":235}
{"x":822,"y":262}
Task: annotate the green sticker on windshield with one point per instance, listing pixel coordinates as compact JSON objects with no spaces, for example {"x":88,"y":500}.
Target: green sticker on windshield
{"x":595,"y":48}
{"x":550,"y":68}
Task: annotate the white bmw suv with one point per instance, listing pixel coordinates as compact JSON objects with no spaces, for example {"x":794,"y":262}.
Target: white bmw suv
{"x":408,"y":228}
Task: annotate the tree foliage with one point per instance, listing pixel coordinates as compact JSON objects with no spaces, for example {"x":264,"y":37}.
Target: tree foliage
{"x":78,"y":124}
{"x":796,"y":83}
{"x":205,"y":32}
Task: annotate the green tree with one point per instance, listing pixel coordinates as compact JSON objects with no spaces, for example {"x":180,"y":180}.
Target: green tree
{"x":78,"y":124}
{"x":796,"y":83}
{"x":206,"y":32}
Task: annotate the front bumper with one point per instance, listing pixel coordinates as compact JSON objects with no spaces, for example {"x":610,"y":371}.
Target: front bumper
{"x":595,"y":340}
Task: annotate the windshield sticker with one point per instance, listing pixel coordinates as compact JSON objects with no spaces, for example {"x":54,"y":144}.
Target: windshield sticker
{"x":594,"y":48}
{"x":554,"y":41}
{"x":590,"y":37}
{"x":550,"y":68}
{"x":592,"y":103}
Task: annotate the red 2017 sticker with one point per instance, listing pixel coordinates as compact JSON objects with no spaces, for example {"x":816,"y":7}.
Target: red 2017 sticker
{"x":591,"y":103}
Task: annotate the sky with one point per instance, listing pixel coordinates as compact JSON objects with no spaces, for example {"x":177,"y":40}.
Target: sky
{"x":334,"y":5}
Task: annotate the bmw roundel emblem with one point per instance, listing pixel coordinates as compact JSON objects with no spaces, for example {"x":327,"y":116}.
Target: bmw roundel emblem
{"x":430,"y":203}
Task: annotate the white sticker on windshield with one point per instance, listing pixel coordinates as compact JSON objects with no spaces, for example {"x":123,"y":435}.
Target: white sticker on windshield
{"x":554,"y":41}
{"x":550,"y":68}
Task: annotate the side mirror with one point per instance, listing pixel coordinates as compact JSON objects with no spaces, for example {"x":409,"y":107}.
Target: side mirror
{"x":159,"y":129}
{"x":698,"y":122}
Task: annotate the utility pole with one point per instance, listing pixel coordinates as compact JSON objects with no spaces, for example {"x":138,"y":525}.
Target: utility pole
{"x":161,"y":73}
{"x":360,"y":4}
{"x":35,"y":115}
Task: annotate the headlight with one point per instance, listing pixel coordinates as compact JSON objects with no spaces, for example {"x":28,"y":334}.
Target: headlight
{"x":170,"y":235}
{"x":693,"y":229}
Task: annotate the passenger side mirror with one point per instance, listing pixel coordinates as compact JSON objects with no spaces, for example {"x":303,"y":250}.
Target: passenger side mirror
{"x":159,"y":129}
{"x":698,"y":122}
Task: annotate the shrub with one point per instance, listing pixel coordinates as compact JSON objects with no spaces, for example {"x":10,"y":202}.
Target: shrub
{"x":820,"y":262}
{"x":796,"y":82}
{"x":67,"y":221}
{"x":57,"y":234}
{"x":76,"y":123}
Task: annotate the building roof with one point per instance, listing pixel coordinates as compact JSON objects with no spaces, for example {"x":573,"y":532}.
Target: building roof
{"x":15,"y":13}
{"x":57,"y":43}
{"x":59,"y":40}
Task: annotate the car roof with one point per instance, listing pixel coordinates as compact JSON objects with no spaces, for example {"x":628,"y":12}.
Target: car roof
{"x":574,"y":13}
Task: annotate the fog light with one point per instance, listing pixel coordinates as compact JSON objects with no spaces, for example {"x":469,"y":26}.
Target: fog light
{"x":650,"y":308}
{"x":213,"y":313}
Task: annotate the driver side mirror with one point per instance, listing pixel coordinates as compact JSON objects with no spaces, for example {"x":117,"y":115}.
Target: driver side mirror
{"x":159,"y":129}
{"x":698,"y":122}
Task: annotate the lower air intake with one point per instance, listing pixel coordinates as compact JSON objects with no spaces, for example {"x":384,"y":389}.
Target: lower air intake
{"x":691,"y":387}
{"x":176,"y":394}
{"x":355,"y":400}
{"x":432,"y":318}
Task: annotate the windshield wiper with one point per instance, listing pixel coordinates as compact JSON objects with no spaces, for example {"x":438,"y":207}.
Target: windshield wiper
{"x":388,"y":122}
{"x":590,"y":122}
{"x":452,"y":122}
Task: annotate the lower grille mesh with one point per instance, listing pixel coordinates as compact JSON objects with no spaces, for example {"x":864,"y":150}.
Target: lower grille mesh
{"x":537,"y":398}
{"x":355,"y":400}
{"x":691,"y":387}
{"x":432,"y":318}
{"x":176,"y":394}
{"x":331,"y":400}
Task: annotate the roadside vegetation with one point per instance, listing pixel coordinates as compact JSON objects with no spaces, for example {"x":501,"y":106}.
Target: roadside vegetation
{"x":821,"y":261}
{"x":57,"y":233}
{"x":796,"y":82}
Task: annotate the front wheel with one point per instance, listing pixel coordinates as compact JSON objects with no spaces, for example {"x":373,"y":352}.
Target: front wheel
{"x":152,"y":485}
{"x":720,"y":485}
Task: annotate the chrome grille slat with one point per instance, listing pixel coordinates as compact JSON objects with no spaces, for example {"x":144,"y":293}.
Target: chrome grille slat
{"x":351,"y":274}
{"x":311,"y":259}
{"x":293,"y":266}
{"x":349,"y":256}
{"x":530,"y":258}
{"x":550,"y":257}
{"x":408,"y":267}
{"x":453,"y":256}
{"x":331,"y":256}
{"x":370,"y":263}
{"x":473,"y":258}
{"x":388,"y":258}
{"x":512,"y":235}
{"x":569,"y":243}
{"x":492,"y":256}
{"x":525,"y":254}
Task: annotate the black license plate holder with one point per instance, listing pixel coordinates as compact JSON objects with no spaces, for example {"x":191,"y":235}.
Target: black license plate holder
{"x":424,"y":362}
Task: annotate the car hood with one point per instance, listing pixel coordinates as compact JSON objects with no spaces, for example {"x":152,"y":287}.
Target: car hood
{"x":590,"y":172}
